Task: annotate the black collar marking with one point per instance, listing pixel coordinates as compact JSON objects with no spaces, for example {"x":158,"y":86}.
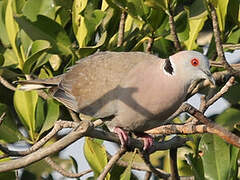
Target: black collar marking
{"x":168,"y":66}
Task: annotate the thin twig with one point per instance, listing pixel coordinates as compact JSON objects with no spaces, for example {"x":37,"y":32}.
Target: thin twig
{"x":149,"y":44}
{"x":218,"y":42}
{"x":74,"y":116}
{"x":121,"y":28}
{"x":173,"y":31}
{"x":2,"y":117}
{"x":62,"y":171}
{"x":145,"y":157}
{"x":7,"y":84}
{"x":173,"y":164}
{"x":111,"y":163}
{"x":220,"y":93}
{"x":74,"y":135}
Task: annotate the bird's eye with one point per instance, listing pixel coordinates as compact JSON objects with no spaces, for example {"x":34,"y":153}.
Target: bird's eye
{"x":195,"y":62}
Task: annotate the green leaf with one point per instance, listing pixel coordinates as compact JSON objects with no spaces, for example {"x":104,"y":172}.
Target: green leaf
{"x":52,"y":116}
{"x":12,"y":31}
{"x":1,"y":59}
{"x":163,"y":4}
{"x":197,"y":9}
{"x":85,"y":23}
{"x":126,"y":175}
{"x":33,"y":8}
{"x":195,"y":26}
{"x":229,"y":118}
{"x":25,"y":105}
{"x":8,"y":129}
{"x":54,"y":33}
{"x":3,"y":31}
{"x":40,"y":114}
{"x":96,"y":156}
{"x":216,"y":157}
{"x":233,"y":172}
{"x":221,"y":10}
{"x":196,"y":166}
{"x":85,"y":51}
{"x":38,"y":48}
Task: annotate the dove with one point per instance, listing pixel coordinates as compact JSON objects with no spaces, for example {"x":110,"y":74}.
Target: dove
{"x":131,"y":91}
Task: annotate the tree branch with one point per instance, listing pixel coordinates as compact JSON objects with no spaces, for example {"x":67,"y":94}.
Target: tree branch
{"x":218,"y":42}
{"x":150,"y":44}
{"x":7,"y":84}
{"x":121,"y":28}
{"x":46,"y":151}
{"x":216,"y":129}
{"x":111,"y":163}
{"x":62,"y":171}
{"x":173,"y":32}
{"x":160,"y":174}
{"x":173,"y":164}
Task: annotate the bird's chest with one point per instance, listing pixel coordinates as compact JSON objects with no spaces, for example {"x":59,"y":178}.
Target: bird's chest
{"x":151,"y":101}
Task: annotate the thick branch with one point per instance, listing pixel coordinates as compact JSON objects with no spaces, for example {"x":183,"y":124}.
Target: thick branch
{"x":216,"y":129}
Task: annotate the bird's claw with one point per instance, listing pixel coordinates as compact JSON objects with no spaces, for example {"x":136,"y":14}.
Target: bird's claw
{"x":147,"y":140}
{"x":123,"y":136}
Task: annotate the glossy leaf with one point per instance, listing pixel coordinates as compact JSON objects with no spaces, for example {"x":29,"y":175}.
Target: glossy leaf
{"x":51,"y":117}
{"x":12,"y":30}
{"x":216,"y":158}
{"x":196,"y":166}
{"x":96,"y":156}
{"x":38,"y":48}
{"x":8,"y":129}
{"x":40,"y":114}
{"x":221,"y":10}
{"x":25,"y":105}
{"x":229,"y":118}
{"x":33,"y":8}
{"x":85,"y":23}
{"x":126,"y":175}
{"x":195,"y":26}
{"x":3,"y":31}
{"x":54,"y":33}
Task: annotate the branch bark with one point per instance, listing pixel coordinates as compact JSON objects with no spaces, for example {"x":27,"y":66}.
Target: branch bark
{"x":62,"y":171}
{"x":218,"y":41}
{"x":173,"y":31}
{"x":121,"y":28}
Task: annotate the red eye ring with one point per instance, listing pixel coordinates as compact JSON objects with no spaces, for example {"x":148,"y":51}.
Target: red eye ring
{"x":195,"y":62}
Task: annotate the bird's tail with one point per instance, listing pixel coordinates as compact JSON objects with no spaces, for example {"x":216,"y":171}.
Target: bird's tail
{"x":28,"y":85}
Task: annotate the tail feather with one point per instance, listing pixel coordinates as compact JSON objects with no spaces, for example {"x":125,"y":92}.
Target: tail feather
{"x":28,"y":85}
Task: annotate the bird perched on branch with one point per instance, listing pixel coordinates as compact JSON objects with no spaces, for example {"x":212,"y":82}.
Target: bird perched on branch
{"x":135,"y":91}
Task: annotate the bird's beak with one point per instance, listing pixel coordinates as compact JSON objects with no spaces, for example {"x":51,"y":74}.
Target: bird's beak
{"x":209,"y":76}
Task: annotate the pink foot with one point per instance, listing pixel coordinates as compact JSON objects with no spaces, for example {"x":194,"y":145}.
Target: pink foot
{"x":147,"y":140}
{"x":123,"y":136}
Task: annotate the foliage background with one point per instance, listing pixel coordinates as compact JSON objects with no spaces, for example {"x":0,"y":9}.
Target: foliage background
{"x":41,"y":39}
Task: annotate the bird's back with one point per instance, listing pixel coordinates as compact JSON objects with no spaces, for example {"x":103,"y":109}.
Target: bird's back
{"x":91,"y":86}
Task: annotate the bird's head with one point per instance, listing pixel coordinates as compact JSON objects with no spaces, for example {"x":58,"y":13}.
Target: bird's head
{"x":192,"y":66}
